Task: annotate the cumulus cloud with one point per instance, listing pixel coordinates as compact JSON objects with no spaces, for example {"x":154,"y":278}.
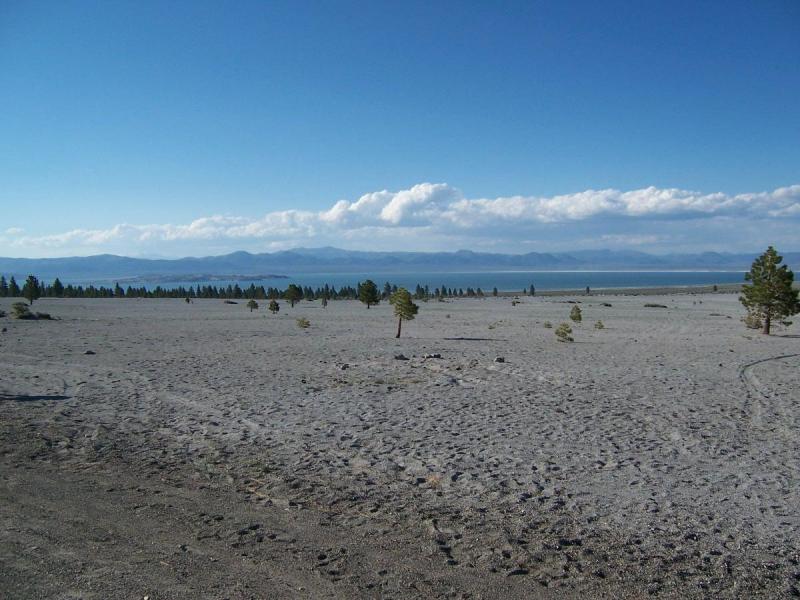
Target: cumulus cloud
{"x":440,"y":214}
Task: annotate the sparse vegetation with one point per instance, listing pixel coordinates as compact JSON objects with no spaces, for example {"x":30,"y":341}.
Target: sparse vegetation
{"x":599,"y":325}
{"x":303,"y":323}
{"x":548,"y":325}
{"x":575,"y":314}
{"x":564,"y":333}
{"x":770,"y":295}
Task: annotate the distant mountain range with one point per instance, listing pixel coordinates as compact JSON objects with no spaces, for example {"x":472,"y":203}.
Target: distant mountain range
{"x":109,"y":267}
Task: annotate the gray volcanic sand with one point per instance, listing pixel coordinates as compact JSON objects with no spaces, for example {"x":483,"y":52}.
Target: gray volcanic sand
{"x":206,"y":451}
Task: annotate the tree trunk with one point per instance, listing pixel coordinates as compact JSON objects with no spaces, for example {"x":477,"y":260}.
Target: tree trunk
{"x":399,"y":325}
{"x":767,"y":323}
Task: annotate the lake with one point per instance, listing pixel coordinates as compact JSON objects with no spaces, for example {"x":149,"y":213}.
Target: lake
{"x":502,"y":280}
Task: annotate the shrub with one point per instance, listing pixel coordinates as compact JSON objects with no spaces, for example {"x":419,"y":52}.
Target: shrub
{"x":2,"y":314}
{"x":303,"y":323}
{"x":20,"y":310}
{"x":274,"y":306}
{"x":599,"y":325}
{"x":752,"y":321}
{"x":548,"y":325}
{"x":575,"y":314}
{"x":564,"y":333}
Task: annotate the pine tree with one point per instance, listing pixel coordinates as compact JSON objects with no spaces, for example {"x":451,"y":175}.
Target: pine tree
{"x":58,"y":288}
{"x":404,"y":307}
{"x":494,"y":292}
{"x":13,"y":288}
{"x":252,"y":305}
{"x":293,"y":294}
{"x":770,"y":296}
{"x":31,"y":290}
{"x":368,"y":293}
{"x":274,"y":307}
{"x":3,"y":287}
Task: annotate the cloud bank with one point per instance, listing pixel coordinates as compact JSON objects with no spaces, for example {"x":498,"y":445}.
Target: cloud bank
{"x":435,"y":216}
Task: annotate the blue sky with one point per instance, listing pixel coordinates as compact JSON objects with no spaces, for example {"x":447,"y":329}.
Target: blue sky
{"x":174,"y":128}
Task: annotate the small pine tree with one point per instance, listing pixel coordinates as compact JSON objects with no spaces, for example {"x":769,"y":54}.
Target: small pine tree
{"x":3,"y":287}
{"x":324,"y":302}
{"x":770,"y":295}
{"x":368,"y":293}
{"x":575,"y":314}
{"x":31,"y":290}
{"x":252,"y":305}
{"x":274,"y":307}
{"x":494,"y":292}
{"x":293,"y":294}
{"x":404,"y":307}
{"x":13,"y":288}
{"x":58,"y":288}
{"x":564,"y":333}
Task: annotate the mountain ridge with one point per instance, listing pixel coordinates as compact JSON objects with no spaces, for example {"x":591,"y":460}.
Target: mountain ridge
{"x":337,"y":260}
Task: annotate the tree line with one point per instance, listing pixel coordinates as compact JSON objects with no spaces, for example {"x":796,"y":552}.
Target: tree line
{"x":9,"y":288}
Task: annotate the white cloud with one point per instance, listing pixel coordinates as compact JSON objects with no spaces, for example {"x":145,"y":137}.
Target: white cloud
{"x":438,"y":215}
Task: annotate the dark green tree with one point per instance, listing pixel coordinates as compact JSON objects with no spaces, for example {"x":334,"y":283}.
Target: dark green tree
{"x":31,"y":290}
{"x":494,"y":292}
{"x":368,"y":293}
{"x":58,"y":288}
{"x":13,"y":288}
{"x":274,"y":307}
{"x":3,"y":287}
{"x":293,"y":294}
{"x":770,"y":295}
{"x":252,"y":305}
{"x":404,"y":307}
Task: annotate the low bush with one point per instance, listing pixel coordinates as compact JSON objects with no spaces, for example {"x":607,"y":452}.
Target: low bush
{"x":548,"y":325}
{"x":599,"y":325}
{"x":303,"y":323}
{"x":20,"y":310}
{"x":575,"y":314}
{"x":564,"y":333}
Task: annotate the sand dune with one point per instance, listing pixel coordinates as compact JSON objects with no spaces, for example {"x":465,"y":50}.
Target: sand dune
{"x":205,"y":451}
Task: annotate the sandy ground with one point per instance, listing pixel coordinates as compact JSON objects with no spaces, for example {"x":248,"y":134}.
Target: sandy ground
{"x":204,"y":451}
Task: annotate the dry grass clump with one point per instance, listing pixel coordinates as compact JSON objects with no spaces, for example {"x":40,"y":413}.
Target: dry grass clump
{"x":547,"y":325}
{"x":303,"y":323}
{"x":599,"y":325}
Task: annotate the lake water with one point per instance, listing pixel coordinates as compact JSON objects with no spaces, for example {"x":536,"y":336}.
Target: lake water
{"x":502,"y":280}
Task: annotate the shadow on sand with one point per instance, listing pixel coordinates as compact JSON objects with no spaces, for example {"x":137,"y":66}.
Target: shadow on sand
{"x":25,"y":398}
